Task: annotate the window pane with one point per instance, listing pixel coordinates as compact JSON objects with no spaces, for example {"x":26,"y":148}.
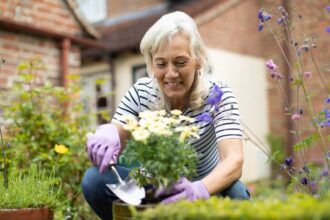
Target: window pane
{"x":93,"y":10}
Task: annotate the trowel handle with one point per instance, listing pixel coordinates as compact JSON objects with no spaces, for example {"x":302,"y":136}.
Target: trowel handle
{"x":112,"y":166}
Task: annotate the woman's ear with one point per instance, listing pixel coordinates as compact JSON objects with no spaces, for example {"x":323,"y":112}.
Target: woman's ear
{"x":198,"y":65}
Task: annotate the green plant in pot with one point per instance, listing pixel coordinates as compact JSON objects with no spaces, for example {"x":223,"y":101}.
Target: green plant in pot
{"x":27,"y":195}
{"x":46,"y":124}
{"x":159,"y":145}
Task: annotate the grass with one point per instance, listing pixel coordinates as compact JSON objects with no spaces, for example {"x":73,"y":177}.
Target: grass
{"x":30,"y":190}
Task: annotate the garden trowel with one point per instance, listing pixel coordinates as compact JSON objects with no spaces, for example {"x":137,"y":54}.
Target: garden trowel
{"x":127,"y":190}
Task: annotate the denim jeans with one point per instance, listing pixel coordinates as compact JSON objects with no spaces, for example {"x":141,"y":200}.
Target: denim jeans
{"x":100,"y":198}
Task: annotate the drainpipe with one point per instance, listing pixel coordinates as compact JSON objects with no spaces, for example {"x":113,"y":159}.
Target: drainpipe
{"x":113,"y":84}
{"x":65,"y":50}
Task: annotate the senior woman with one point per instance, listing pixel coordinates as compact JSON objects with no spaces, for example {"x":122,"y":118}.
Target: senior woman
{"x":177,"y":64}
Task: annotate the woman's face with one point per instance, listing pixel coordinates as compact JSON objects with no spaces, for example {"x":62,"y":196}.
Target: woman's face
{"x":175,"y":68}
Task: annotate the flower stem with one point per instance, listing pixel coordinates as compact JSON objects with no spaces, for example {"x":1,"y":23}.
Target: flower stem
{"x":319,"y":72}
{"x":261,"y":145}
{"x":311,"y":110}
{"x":279,"y":45}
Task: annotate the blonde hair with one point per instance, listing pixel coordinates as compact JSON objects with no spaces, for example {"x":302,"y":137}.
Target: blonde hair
{"x":163,"y":30}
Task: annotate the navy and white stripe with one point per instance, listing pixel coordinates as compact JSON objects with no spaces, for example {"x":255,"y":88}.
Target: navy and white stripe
{"x":225,"y":124}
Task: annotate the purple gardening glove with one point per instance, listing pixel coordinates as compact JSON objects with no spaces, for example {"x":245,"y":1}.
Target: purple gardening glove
{"x":184,"y":189}
{"x":103,"y":146}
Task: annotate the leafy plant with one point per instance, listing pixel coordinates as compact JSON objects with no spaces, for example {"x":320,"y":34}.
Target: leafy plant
{"x":31,"y":189}
{"x":309,"y":120}
{"x":158,"y":143}
{"x":297,"y":206}
{"x":46,"y":125}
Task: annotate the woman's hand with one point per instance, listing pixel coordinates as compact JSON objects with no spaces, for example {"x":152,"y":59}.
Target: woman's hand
{"x":184,"y":190}
{"x":103,"y":146}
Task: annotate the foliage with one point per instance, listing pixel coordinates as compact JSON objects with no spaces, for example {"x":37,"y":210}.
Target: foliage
{"x":31,"y":189}
{"x":159,"y":144}
{"x":46,"y":126}
{"x":297,"y":206}
{"x":309,"y":121}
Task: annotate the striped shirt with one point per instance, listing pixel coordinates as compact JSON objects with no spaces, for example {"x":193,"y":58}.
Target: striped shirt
{"x":225,"y":124}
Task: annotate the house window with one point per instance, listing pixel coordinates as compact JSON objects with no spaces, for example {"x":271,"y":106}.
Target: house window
{"x":139,"y":71}
{"x":93,"y":10}
{"x":97,"y":97}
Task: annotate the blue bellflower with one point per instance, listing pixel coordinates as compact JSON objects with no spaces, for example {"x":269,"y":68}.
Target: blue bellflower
{"x":215,"y":96}
{"x":206,"y":116}
{"x":289,"y":161}
{"x":214,"y":100}
{"x":328,"y":8}
{"x":327,"y":100}
{"x":325,"y":173}
{"x":327,"y":29}
{"x":304,"y":181}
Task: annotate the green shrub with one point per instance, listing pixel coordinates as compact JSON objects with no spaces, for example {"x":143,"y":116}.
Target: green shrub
{"x":40,"y":116}
{"x":298,"y":206}
{"x":31,"y":189}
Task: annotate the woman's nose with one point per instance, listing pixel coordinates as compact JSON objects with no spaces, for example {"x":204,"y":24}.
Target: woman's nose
{"x":172,"y":71}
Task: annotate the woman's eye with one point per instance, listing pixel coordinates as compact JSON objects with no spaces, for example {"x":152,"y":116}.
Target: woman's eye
{"x":180,"y":63}
{"x":160,"y":65}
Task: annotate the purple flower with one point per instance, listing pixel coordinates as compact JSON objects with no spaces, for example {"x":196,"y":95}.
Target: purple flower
{"x":295,"y":117}
{"x":328,"y":29}
{"x":304,"y":181}
{"x":271,"y":65}
{"x":215,"y":96}
{"x":205,"y":117}
{"x":325,"y":173}
{"x":260,"y":27}
{"x":267,"y":17}
{"x":263,"y":16}
{"x":280,"y":20}
{"x":301,"y":111}
{"x":288,"y":161}
{"x":307,"y":74}
{"x":328,"y":8}
{"x":327,"y":100}
{"x":260,"y":12}
{"x":324,"y":123}
{"x":328,"y":155}
{"x":313,"y":185}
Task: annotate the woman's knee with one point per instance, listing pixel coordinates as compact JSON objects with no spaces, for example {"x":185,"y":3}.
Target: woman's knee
{"x":237,"y":191}
{"x":91,"y":175}
{"x":93,"y":180}
{"x":90,"y":179}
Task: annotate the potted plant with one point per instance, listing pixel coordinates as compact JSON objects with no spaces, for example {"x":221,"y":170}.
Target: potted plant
{"x":29,"y":195}
{"x":159,"y":145}
{"x":46,"y":123}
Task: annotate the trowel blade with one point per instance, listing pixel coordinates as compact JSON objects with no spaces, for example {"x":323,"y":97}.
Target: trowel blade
{"x":130,"y":192}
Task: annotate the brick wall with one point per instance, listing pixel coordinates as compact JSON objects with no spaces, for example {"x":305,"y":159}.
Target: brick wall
{"x":48,"y":14}
{"x":16,"y":47}
{"x":122,"y":7}
{"x":236,"y":31}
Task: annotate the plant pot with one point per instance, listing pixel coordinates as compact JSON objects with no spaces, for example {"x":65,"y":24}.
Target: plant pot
{"x":43,"y":213}
{"x":121,"y":210}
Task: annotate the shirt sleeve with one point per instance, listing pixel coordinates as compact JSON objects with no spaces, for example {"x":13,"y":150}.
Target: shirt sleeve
{"x":227,"y":119}
{"x":129,"y":105}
